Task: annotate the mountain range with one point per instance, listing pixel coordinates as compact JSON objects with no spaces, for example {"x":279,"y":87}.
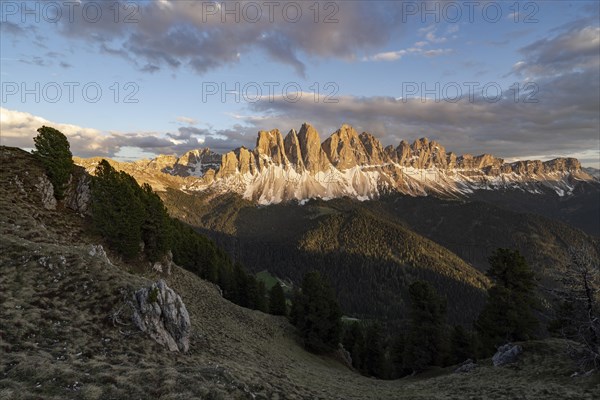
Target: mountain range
{"x":348,"y":164}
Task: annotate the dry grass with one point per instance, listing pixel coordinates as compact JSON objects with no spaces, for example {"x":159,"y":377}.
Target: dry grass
{"x":58,"y":342}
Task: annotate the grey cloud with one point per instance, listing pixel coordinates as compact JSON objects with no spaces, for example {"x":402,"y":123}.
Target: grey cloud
{"x":573,"y":49}
{"x":178,"y":33}
{"x":12,"y":28}
{"x":220,"y":141}
{"x":39,"y":61}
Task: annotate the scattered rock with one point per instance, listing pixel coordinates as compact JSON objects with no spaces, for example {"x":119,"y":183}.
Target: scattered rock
{"x":344,"y":356}
{"x":46,"y":190}
{"x":160,"y":312}
{"x":507,"y":354}
{"x":165,"y":265}
{"x":96,"y":250}
{"x":466,"y":366}
{"x":78,"y":195}
{"x":19,"y":184}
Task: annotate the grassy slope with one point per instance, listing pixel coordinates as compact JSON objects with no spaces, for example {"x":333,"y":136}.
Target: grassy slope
{"x":57,"y":342}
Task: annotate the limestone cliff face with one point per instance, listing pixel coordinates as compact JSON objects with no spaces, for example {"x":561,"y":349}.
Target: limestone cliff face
{"x":375,"y":152}
{"x":270,"y":149}
{"x":345,"y":149}
{"x":314,"y":158}
{"x":293,"y":151}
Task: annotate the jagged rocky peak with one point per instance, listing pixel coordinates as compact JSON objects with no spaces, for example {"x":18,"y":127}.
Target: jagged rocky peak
{"x":196,"y":162}
{"x":376,"y":154}
{"x":391,"y":154}
{"x":292,"y":150}
{"x":422,"y":154}
{"x":163,"y":163}
{"x":345,"y":149}
{"x":246,"y":160}
{"x":487,"y":161}
{"x":528,"y":167}
{"x":229,"y":165}
{"x":563,"y":165}
{"x":270,"y":148}
{"x":404,"y":152}
{"x":314,"y":158}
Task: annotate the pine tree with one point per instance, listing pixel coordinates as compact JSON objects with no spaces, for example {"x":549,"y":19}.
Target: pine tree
{"x":117,"y":211}
{"x":425,"y":342}
{"x":53,"y":149}
{"x":354,"y":342}
{"x":277,"y":305}
{"x":508,"y":313}
{"x":155,"y":232}
{"x":242,"y":287}
{"x":374,"y":352}
{"x":462,"y":345}
{"x":317,"y":314}
{"x":259,"y":299}
{"x":397,"y":352}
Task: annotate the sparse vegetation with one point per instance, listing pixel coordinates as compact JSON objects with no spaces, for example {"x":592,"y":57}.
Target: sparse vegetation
{"x":153,"y":295}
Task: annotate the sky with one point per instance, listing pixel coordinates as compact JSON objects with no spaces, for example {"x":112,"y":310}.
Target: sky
{"x":133,"y":79}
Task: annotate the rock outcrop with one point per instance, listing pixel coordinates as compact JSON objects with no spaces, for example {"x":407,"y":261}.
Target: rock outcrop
{"x":78,"y":195}
{"x":165,"y":265}
{"x":507,"y":354}
{"x":160,"y":312}
{"x":466,"y":366}
{"x":96,"y":250}
{"x":46,"y":192}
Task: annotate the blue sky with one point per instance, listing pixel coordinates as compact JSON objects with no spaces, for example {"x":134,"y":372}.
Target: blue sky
{"x":367,"y":57}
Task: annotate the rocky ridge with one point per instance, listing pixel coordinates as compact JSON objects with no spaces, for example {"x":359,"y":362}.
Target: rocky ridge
{"x":300,"y":167}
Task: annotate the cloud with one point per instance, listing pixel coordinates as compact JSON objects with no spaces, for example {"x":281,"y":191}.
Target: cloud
{"x":396,"y":55}
{"x":19,"y":129}
{"x":11,"y":28}
{"x":387,"y":56}
{"x":187,"y":120}
{"x":417,"y":49}
{"x":573,"y":49}
{"x":185,"y":34}
{"x":430,"y":33}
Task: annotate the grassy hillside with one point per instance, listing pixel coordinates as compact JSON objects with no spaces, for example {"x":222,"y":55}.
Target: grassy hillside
{"x":65,"y":332}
